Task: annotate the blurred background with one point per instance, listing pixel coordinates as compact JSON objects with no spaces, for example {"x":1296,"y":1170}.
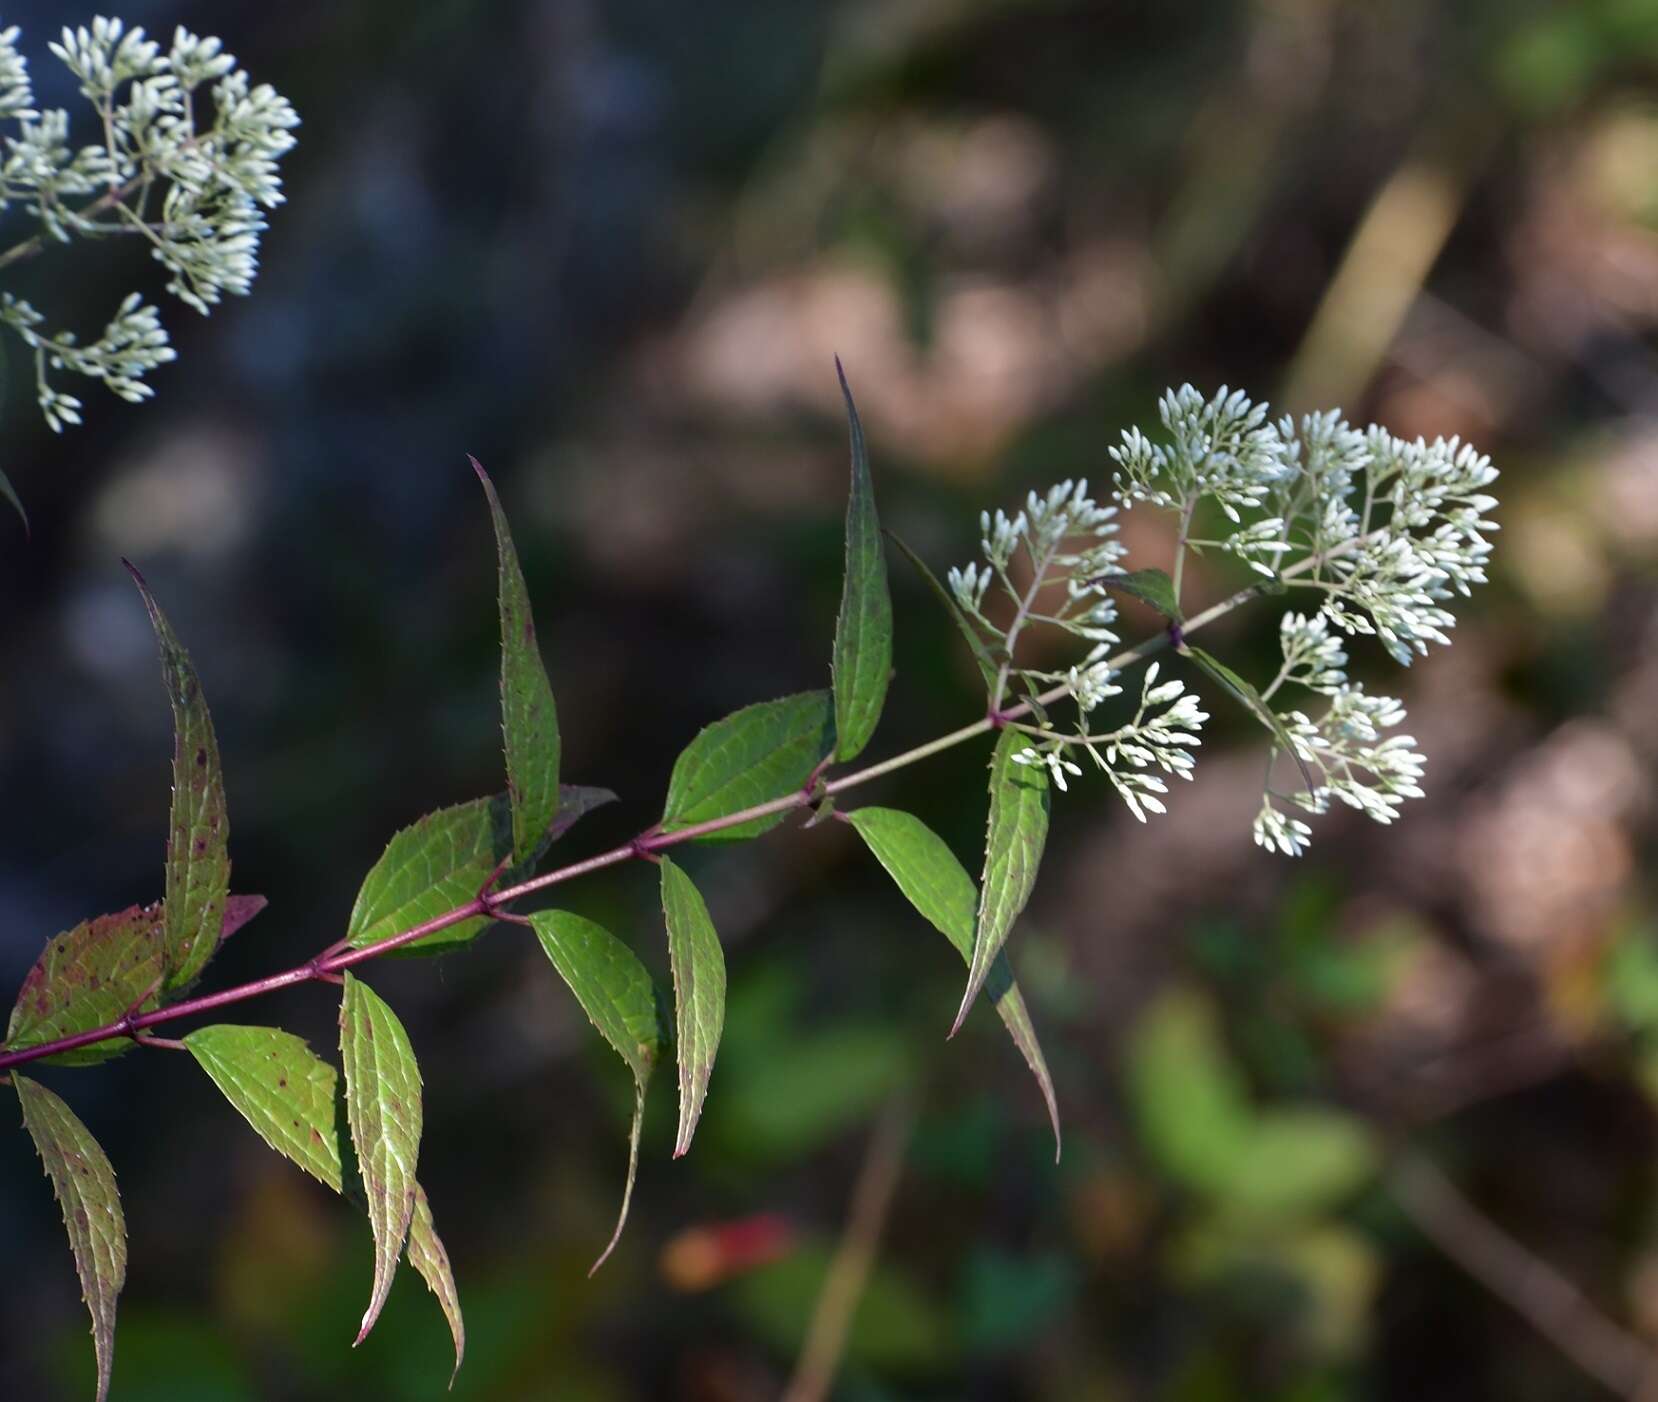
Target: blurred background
{"x":1379,"y":1123}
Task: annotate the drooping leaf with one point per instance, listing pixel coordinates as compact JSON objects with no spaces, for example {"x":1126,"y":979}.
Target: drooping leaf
{"x":427,"y":1255}
{"x":84,"y":1184}
{"x":758,"y":753}
{"x":1015,"y":835}
{"x":981,"y":653}
{"x":198,"y":857}
{"x":615,"y":992}
{"x":87,"y":977}
{"x":1152,"y":587}
{"x":382,"y":1101}
{"x":529,"y":719}
{"x":10,"y":494}
{"x":238,"y":911}
{"x":280,"y":1087}
{"x":1255,"y":703}
{"x":699,"y":993}
{"x":863,"y":633}
{"x":939,"y":887}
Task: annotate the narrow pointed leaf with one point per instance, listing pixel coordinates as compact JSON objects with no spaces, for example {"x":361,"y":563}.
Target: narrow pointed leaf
{"x":939,"y":887}
{"x":1016,"y":833}
{"x":280,"y":1087}
{"x":427,"y":1255}
{"x":529,"y":719}
{"x":863,"y":633}
{"x":84,"y":1184}
{"x":981,"y":653}
{"x":198,"y":857}
{"x":87,"y":977}
{"x":1152,"y":587}
{"x":758,"y":753}
{"x":1255,"y":703}
{"x":382,"y":1102}
{"x":615,"y":992}
{"x":10,"y":494}
{"x":699,"y":993}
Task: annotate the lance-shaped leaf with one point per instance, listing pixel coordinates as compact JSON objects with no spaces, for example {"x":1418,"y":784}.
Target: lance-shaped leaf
{"x":615,"y":992}
{"x":758,"y":753}
{"x":938,"y":886}
{"x":440,"y":862}
{"x":1255,"y":703}
{"x":1014,"y":838}
{"x":981,"y":652}
{"x":88,"y":977}
{"x":84,"y":1184}
{"x":1152,"y":587}
{"x":863,"y":633}
{"x":382,"y":1103}
{"x":427,"y":1255}
{"x":280,"y":1087}
{"x":10,"y":494}
{"x":529,"y":720}
{"x":699,"y":993}
{"x":198,"y":857}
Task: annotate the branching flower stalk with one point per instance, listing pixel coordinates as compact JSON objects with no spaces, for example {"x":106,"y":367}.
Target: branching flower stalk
{"x":1385,"y":568}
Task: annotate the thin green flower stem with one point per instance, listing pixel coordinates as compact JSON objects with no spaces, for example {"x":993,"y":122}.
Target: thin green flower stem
{"x":327,"y":966}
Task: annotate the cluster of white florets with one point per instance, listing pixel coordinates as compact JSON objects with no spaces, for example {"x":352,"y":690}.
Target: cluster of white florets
{"x":194,"y":185}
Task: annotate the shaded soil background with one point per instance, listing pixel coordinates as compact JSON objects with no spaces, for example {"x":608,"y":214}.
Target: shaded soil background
{"x":612,"y":249}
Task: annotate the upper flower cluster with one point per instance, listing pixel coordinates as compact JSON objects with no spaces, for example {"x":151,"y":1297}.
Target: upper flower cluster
{"x":187,"y":161}
{"x":1382,"y":532}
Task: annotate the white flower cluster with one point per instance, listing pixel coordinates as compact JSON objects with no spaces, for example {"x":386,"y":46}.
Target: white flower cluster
{"x":192,"y":183}
{"x":1383,"y":532}
{"x":1345,"y":749}
{"x":1163,"y":738}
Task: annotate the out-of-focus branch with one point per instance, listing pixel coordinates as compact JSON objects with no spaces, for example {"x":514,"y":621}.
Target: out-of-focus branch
{"x":843,"y":1286}
{"x":1529,"y":1285}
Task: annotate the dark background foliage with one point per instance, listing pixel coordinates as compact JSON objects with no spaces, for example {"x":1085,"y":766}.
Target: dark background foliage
{"x":611,"y":249}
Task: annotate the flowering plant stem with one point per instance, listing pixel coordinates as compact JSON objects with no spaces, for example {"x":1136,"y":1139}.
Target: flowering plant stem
{"x":327,"y":966}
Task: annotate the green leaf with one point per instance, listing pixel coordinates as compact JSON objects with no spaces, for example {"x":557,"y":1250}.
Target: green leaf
{"x":427,"y":1255}
{"x":1298,"y":1163}
{"x":1193,"y":1111}
{"x":1255,"y":703}
{"x":938,"y":886}
{"x":198,"y":859}
{"x":981,"y":653}
{"x":529,"y":719}
{"x":440,"y":862}
{"x":382,"y":1101}
{"x":761,"y":752}
{"x":87,"y":977}
{"x":280,"y":1087}
{"x":10,"y":494}
{"x":435,"y":864}
{"x":863,"y":633}
{"x":1017,"y":830}
{"x":615,"y":992}
{"x":1152,"y":587}
{"x":84,"y":1184}
{"x":699,"y":993}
